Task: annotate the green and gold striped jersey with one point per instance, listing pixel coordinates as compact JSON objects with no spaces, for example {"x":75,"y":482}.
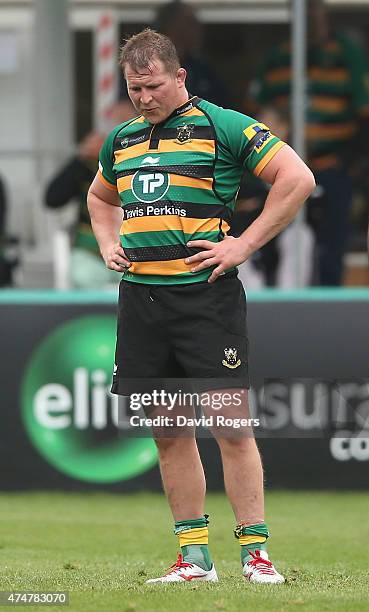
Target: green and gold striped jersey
{"x":178,"y":181}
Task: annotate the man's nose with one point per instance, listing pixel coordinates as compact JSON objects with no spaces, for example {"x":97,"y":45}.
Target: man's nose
{"x":146,"y":97}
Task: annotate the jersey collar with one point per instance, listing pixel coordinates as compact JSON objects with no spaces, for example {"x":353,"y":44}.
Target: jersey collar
{"x":187,"y":106}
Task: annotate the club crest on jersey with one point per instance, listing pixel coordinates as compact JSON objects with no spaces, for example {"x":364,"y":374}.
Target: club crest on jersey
{"x":184,"y":133}
{"x":231,"y":360}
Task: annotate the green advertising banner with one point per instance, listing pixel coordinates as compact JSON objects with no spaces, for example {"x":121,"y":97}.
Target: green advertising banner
{"x":68,"y":411}
{"x":62,"y":428}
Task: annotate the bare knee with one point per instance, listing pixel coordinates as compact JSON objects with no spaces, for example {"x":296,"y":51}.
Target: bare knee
{"x":236,"y":445}
{"x":174,"y":444}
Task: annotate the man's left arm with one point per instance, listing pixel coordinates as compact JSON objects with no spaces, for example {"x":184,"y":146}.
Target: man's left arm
{"x":292,"y":183}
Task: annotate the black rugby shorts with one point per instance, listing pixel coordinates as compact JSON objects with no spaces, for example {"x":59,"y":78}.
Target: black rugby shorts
{"x":193,"y":331}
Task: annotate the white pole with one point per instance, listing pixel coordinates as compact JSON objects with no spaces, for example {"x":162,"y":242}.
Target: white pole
{"x":61,"y":259}
{"x":52,"y":94}
{"x":52,"y":114}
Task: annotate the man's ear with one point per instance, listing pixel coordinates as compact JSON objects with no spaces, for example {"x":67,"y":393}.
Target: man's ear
{"x":181,"y":76}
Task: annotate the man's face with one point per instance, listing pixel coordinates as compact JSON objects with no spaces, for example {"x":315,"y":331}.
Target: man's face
{"x":155,"y":92}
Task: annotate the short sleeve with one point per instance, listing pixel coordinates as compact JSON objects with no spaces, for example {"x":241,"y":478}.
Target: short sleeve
{"x":252,"y":143}
{"x":106,"y":173}
{"x":260,"y":148}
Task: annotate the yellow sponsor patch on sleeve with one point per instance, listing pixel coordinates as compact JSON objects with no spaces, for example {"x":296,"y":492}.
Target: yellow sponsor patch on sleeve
{"x":254,"y":128}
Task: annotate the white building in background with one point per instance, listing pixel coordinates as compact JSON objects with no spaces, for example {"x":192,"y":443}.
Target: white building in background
{"x":36,"y":103}
{"x":36,"y":100}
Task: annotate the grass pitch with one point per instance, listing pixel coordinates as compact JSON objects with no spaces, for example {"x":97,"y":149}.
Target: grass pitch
{"x":102,"y":547}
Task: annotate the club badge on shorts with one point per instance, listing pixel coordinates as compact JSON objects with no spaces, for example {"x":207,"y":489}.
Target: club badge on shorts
{"x":184,"y":133}
{"x":231,"y":360}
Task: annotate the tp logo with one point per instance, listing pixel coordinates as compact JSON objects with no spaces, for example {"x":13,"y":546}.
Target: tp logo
{"x":150,"y":182}
{"x":150,"y":186}
{"x":68,"y":411}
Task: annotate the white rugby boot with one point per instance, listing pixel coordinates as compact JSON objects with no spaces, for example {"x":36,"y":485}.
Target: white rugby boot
{"x":259,"y":569}
{"x":181,"y":571}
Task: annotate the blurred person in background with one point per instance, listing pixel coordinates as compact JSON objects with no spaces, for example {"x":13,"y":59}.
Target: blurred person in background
{"x":4,"y":271}
{"x":337,"y":131}
{"x":179,"y":22}
{"x":72,"y":181}
{"x":274,"y":263}
{"x":8,"y":259}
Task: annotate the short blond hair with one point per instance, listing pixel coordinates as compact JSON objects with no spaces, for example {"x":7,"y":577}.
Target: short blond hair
{"x":140,"y":50}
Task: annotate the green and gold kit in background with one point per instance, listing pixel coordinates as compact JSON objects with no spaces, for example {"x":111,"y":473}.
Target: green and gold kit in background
{"x":337,"y":94}
{"x":178,"y":181}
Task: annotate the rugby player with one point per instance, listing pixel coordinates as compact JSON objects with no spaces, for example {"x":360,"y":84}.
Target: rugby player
{"x":160,"y":208}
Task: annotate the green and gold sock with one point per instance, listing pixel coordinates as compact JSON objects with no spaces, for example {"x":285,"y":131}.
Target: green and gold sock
{"x":251,"y":538}
{"x":193,"y":540}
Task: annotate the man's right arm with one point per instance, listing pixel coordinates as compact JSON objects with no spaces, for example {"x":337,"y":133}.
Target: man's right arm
{"x":106,"y":218}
